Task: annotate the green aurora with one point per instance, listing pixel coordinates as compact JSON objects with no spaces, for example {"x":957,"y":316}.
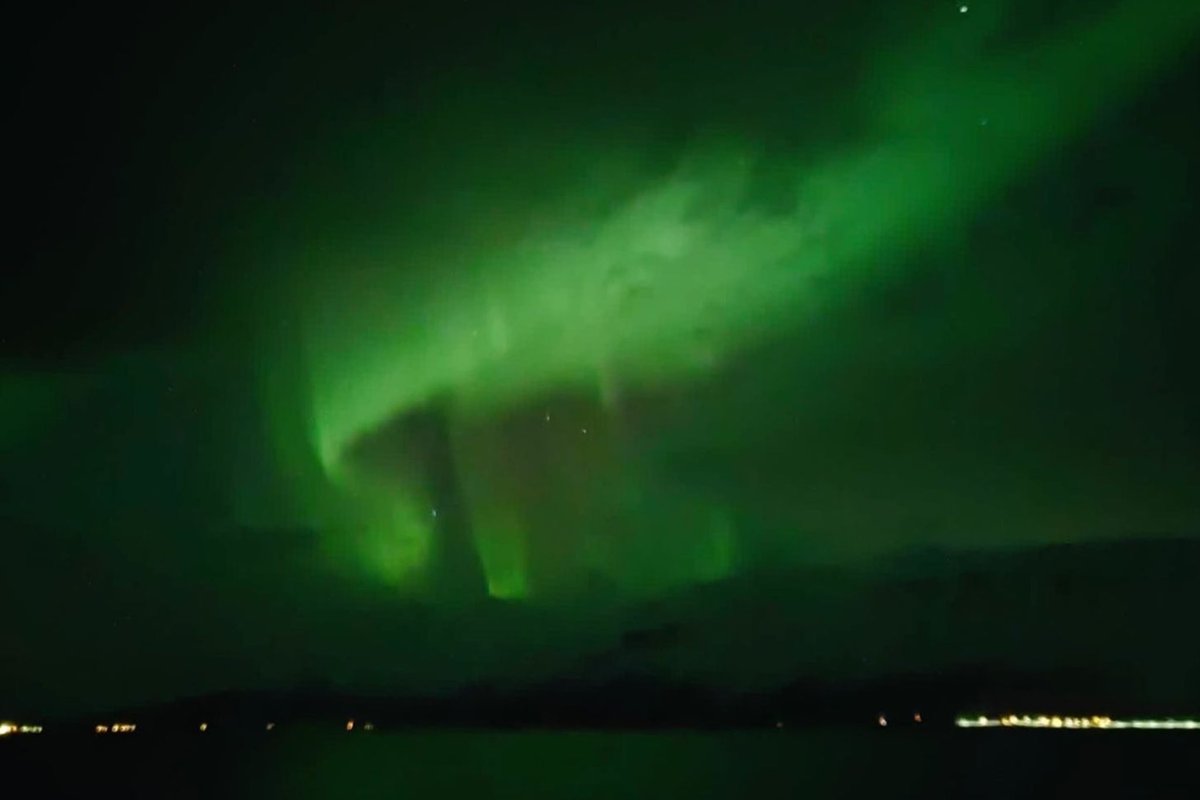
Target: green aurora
{"x":601,"y":282}
{"x":402,"y":348}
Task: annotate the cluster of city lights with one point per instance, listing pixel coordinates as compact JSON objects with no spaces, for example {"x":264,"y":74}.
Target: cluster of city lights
{"x":1008,"y":721}
{"x":1077,"y":723}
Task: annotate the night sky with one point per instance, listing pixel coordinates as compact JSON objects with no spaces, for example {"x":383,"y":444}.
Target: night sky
{"x":402,"y":347}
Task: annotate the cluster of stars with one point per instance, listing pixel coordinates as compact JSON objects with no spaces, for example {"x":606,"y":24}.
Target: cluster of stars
{"x":547,"y":416}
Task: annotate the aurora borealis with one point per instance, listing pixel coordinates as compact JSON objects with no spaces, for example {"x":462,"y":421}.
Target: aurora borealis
{"x":329,"y":325}
{"x":635,"y":282}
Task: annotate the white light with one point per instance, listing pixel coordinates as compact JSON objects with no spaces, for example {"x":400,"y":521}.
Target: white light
{"x":962,"y":9}
{"x":1079,"y":723}
{"x":5,"y":729}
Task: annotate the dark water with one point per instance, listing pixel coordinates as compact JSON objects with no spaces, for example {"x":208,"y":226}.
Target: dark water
{"x":534,"y":765}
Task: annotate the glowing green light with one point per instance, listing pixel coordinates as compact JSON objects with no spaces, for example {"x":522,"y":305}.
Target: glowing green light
{"x":660,"y":282}
{"x":502,"y":549}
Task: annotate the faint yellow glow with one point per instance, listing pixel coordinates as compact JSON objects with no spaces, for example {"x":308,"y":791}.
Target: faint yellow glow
{"x":270,"y":726}
{"x":349,"y":724}
{"x":882,"y":721}
{"x":29,"y":729}
{"x":6,"y":728}
{"x":367,"y":726}
{"x":101,"y":729}
{"x":1079,"y":723}
{"x":917,"y":717}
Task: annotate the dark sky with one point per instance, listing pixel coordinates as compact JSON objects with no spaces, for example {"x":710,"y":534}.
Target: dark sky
{"x":324,"y":325}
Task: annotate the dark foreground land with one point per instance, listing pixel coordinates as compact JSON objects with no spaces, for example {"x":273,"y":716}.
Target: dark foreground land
{"x":301,"y":762}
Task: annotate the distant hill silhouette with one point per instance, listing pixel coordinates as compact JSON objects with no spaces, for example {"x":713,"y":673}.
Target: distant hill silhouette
{"x":1090,"y":628}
